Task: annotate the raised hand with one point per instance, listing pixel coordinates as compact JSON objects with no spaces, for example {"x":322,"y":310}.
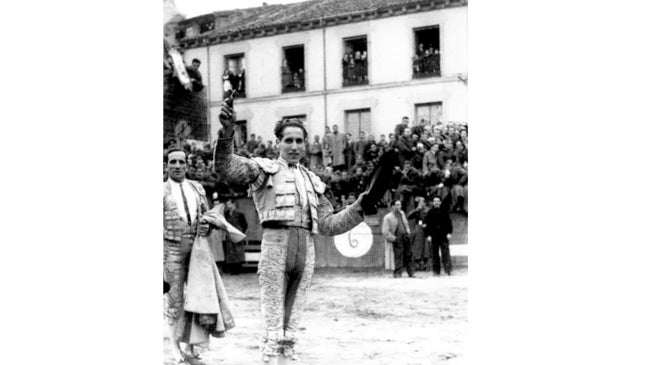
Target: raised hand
{"x":227,"y":116}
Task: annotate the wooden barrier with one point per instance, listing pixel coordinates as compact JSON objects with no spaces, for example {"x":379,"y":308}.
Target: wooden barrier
{"x":326,"y":253}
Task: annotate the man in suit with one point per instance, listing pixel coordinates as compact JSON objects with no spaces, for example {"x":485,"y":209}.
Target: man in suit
{"x":395,"y":229}
{"x":438,"y":228}
{"x":184,"y":202}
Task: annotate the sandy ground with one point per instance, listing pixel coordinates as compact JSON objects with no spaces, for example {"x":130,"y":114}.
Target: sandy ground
{"x":357,"y":318}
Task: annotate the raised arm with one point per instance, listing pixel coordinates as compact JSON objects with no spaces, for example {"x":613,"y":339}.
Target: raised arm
{"x":230,"y":167}
{"x":333,"y":224}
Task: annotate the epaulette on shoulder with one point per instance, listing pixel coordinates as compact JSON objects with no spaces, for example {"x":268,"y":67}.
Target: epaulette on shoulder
{"x":319,"y":185}
{"x":269,"y":166}
{"x":197,"y":185}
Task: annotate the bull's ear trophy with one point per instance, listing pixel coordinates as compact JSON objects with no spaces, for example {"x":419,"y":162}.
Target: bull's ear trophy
{"x":381,"y":180}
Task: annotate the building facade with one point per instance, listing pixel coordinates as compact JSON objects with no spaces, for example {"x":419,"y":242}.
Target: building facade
{"x":362,"y":69}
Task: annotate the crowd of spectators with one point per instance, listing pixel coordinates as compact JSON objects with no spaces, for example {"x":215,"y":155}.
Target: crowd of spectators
{"x":355,"y":67}
{"x":426,"y":61}
{"x":432,"y":162}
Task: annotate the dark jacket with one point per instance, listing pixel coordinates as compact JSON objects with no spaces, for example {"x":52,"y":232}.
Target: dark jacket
{"x":234,"y":252}
{"x":438,"y":224}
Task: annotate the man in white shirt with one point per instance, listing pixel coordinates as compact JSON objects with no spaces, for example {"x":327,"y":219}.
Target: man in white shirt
{"x":184,"y":202}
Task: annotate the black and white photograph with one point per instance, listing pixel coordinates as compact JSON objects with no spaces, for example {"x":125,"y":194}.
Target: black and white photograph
{"x":316,"y":182}
{"x":315,"y":166}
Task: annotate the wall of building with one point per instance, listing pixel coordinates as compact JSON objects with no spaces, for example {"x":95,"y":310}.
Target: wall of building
{"x":391,"y":93}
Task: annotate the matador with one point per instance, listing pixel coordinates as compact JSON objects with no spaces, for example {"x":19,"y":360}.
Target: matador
{"x":292,"y":209}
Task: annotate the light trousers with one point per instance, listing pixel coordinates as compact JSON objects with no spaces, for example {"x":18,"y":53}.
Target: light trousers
{"x":285,"y":271}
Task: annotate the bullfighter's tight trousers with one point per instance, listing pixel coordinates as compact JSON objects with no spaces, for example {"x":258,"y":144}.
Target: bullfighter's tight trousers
{"x":285,"y":271}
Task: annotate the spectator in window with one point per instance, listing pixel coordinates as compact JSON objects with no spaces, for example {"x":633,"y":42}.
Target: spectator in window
{"x":399,"y":129}
{"x":364,"y":65}
{"x":315,"y":152}
{"x":436,"y":62}
{"x":405,"y":146}
{"x":241,"y":89}
{"x":339,"y":141}
{"x":231,"y":77}
{"x":420,"y":51}
{"x":287,"y":80}
{"x":358,"y":72}
{"x":297,"y":79}
{"x":350,"y":68}
{"x":438,"y":229}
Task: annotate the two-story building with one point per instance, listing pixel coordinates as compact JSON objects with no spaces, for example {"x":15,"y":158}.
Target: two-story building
{"x":361,"y":64}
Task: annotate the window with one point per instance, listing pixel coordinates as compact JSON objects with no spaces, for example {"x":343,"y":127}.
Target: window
{"x":206,"y":27}
{"x":235,"y":74}
{"x":356,"y":121}
{"x":430,"y":112}
{"x":241,"y":134}
{"x":293,"y":69}
{"x":426,"y":59}
{"x":355,"y":61}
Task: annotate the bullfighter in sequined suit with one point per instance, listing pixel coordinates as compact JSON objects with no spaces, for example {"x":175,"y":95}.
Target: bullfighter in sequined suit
{"x":292,"y":209}
{"x":184,"y":202}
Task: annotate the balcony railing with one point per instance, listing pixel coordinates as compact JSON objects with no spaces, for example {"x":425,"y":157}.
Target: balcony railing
{"x":293,"y":82}
{"x":426,"y":66}
{"x":355,"y":73}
